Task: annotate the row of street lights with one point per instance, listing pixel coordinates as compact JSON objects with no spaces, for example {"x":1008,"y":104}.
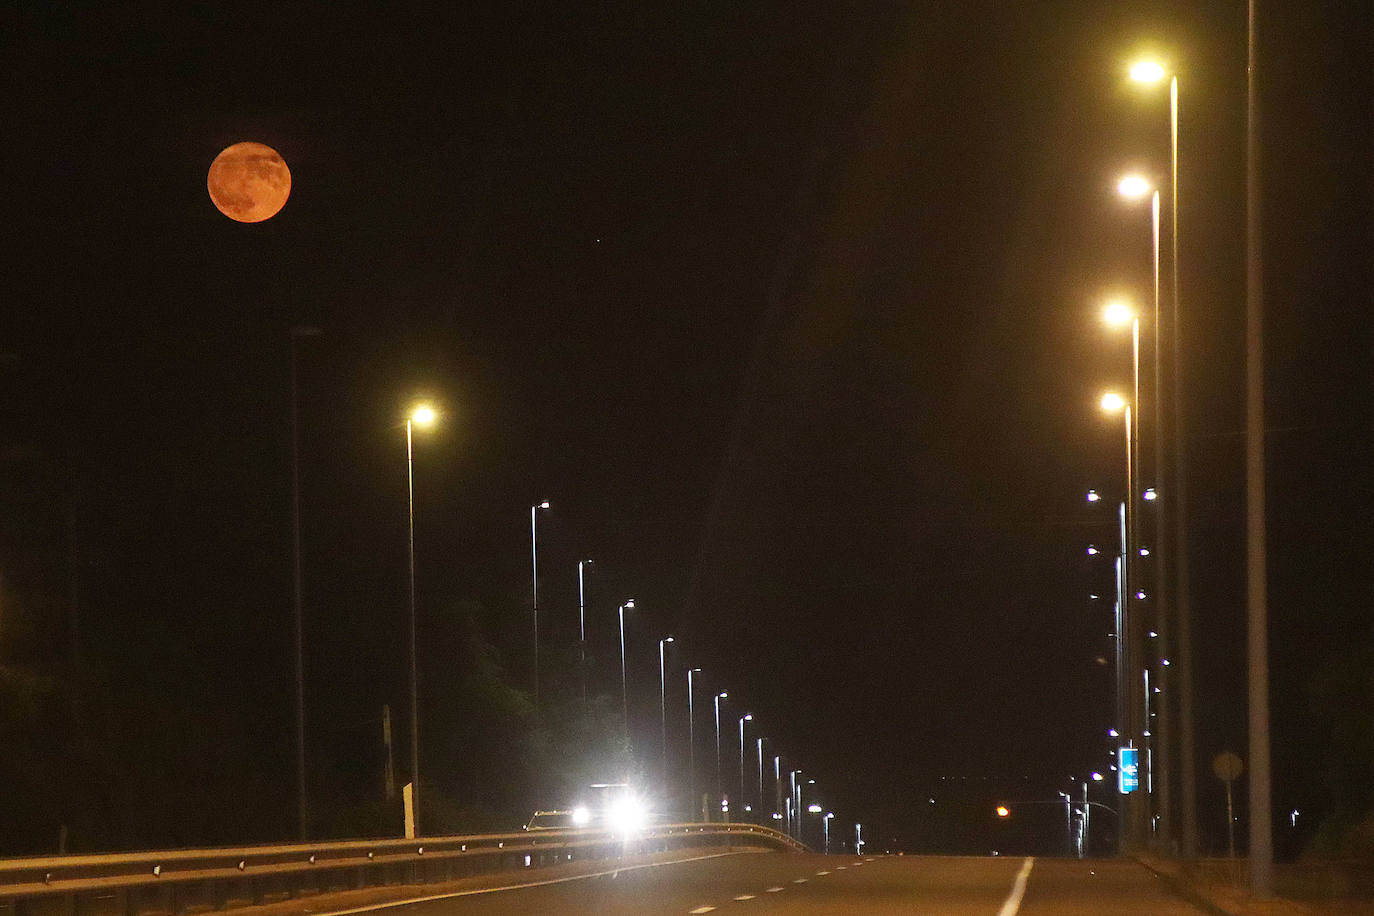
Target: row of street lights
{"x":1133,"y":665}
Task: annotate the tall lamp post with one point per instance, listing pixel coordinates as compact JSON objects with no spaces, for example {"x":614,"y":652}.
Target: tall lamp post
{"x":691,"y":741}
{"x":582,"y":633}
{"x":423,"y":416}
{"x":760,"y":741}
{"x":1134,"y":826}
{"x":747,"y":717}
{"x":663,"y":708}
{"x":302,"y":806}
{"x":534,"y":580}
{"x":1134,"y":187}
{"x":720,"y":696}
{"x":825,"y":822}
{"x":624,"y":688}
{"x":1152,"y":73}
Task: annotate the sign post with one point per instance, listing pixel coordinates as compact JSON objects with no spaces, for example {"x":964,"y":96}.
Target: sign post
{"x":1128,"y":769}
{"x":1228,"y":767}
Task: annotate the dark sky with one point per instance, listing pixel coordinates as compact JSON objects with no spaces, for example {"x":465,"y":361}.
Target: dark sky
{"x":789,"y":309}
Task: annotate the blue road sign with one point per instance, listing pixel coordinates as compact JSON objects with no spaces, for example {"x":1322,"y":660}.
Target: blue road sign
{"x":1128,"y":769}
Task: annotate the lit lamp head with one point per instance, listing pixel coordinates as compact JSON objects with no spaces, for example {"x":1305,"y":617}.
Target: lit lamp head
{"x":629,"y":604}
{"x":542,"y":505}
{"x":1118,"y":314}
{"x":722,"y":695}
{"x":1147,"y":71}
{"x":1134,"y":187}
{"x":747,"y":717}
{"x":667,"y":639}
{"x":423,"y":415}
{"x":1113,"y":402}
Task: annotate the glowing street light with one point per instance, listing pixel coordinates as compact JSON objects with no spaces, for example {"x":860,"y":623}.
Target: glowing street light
{"x":422,"y":416}
{"x":825,"y":823}
{"x":1147,"y":71}
{"x":1134,"y":186}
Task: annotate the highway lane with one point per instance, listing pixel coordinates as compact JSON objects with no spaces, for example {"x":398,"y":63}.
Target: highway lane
{"x":755,"y":884}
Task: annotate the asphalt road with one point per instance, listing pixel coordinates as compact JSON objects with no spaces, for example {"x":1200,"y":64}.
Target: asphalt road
{"x":769,"y":883}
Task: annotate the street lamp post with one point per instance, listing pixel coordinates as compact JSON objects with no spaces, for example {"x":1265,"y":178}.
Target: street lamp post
{"x":777,"y":783}
{"x":663,"y":707}
{"x":423,"y":416}
{"x":1139,"y":187}
{"x":720,"y":696}
{"x":760,"y":741}
{"x":793,"y":819}
{"x":825,"y":822}
{"x":747,"y":717}
{"x":1153,"y":72}
{"x":534,"y":580}
{"x":1135,"y":826}
{"x":624,"y":689}
{"x":692,"y":741}
{"x":582,"y":633}
{"x":302,"y":807}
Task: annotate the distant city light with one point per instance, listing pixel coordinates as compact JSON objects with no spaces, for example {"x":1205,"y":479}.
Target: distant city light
{"x":1093,"y":496}
{"x":1097,"y":777}
{"x":1111,"y":733}
{"x":1150,"y":495}
{"x":1144,"y":551}
{"x":1140,"y":595}
{"x":1092,"y":551}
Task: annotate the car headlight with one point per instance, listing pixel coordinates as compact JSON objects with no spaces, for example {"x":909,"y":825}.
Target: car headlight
{"x":581,"y":817}
{"x":627,"y":815}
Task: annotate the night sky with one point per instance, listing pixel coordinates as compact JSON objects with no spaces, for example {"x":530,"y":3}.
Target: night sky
{"x":790,"y":310}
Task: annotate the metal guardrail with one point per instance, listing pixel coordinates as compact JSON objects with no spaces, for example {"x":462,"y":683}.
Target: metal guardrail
{"x":177,"y":882}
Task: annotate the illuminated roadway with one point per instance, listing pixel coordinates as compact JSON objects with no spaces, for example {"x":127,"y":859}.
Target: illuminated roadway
{"x":749,"y":883}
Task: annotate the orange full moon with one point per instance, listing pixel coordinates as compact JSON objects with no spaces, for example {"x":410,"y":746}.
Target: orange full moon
{"x":249,"y":182}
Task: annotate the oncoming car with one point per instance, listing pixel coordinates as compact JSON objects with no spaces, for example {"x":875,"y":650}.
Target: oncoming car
{"x":560,"y":820}
{"x":609,"y":806}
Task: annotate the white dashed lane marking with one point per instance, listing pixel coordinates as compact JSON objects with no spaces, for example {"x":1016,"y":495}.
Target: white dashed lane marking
{"x":772,"y":890}
{"x":745,"y":897}
{"x":702,"y":909}
{"x":798,"y":880}
{"x":820,"y":873}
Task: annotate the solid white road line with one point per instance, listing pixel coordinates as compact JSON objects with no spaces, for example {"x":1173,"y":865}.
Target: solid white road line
{"x":1012,"y":905}
{"x":516,"y":887}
